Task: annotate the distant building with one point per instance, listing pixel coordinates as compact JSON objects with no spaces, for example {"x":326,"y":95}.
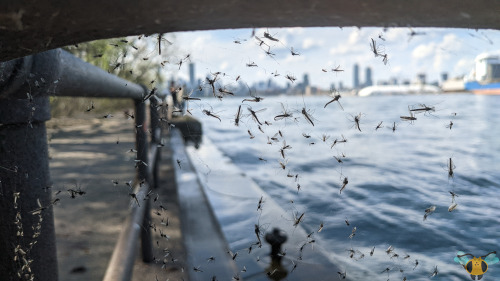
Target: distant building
{"x":421,"y":77}
{"x":355,"y":82}
{"x":368,"y":77}
{"x":191,"y":75}
{"x":341,"y":86}
{"x":306,"y":80}
{"x":444,"y":76}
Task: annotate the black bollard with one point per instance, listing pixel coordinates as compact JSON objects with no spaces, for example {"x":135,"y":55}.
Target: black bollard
{"x":276,"y":238}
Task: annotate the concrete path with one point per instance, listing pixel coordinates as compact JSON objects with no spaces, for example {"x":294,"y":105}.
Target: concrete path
{"x":87,"y":155}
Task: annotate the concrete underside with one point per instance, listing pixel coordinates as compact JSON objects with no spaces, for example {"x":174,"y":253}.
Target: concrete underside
{"x":28,"y":27}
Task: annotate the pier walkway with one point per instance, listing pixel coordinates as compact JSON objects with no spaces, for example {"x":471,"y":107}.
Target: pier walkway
{"x":93,"y":156}
{"x":88,"y":154}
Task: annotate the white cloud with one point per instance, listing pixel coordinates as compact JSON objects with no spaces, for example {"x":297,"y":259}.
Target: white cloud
{"x":224,"y":65}
{"x":424,"y":51}
{"x":309,"y":43}
{"x":396,"y":34}
{"x":439,"y":50}
{"x":462,"y":67}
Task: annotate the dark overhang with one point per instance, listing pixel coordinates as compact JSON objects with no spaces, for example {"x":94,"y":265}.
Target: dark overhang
{"x":28,"y":27}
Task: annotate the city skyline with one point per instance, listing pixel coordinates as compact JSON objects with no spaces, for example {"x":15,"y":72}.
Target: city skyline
{"x":321,"y":50}
{"x":270,"y":85}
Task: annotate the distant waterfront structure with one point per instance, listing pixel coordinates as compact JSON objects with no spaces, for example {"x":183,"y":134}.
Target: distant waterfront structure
{"x":191,"y":75}
{"x":368,"y":77}
{"x":421,"y":77}
{"x":306,"y":80}
{"x":444,"y":76}
{"x":355,"y":82}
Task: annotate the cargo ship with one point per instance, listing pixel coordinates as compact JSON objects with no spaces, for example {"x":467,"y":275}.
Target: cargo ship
{"x":484,"y":79}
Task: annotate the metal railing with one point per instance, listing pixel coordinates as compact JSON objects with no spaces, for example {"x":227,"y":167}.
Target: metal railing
{"x":25,"y":87}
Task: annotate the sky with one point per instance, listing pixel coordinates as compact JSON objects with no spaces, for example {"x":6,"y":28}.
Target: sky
{"x":432,"y":51}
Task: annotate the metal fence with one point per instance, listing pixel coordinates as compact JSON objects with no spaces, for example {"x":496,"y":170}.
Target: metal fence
{"x":25,"y":87}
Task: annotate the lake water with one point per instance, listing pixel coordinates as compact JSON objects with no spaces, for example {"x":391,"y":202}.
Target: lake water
{"x":393,"y":176}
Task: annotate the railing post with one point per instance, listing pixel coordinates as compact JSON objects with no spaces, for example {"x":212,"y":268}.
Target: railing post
{"x":155,"y":138}
{"x":27,"y":236}
{"x":142,"y":147}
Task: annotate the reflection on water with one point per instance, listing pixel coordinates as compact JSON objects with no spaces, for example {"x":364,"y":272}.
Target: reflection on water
{"x":393,"y":176}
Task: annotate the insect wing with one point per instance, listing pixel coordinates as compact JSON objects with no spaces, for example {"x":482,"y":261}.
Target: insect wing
{"x":491,"y":259}
{"x":461,"y":260}
{"x":260,"y":110}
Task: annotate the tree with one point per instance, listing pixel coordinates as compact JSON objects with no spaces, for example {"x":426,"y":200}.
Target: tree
{"x":139,"y":59}
{"x":134,"y":58}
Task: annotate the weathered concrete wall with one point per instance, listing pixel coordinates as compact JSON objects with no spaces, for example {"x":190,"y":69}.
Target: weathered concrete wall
{"x":28,"y":27}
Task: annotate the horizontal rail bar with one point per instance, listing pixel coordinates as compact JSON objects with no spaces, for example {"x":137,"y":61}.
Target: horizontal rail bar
{"x":121,"y":265}
{"x":59,"y":73}
{"x":79,"y":78}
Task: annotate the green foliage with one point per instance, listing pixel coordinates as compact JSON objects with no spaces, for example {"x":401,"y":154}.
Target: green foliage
{"x":134,"y":58}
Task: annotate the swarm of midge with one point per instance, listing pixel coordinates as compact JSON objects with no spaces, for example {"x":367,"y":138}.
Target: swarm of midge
{"x":307,"y":115}
{"x":412,"y":117}
{"x":356,"y":119}
{"x":21,"y":255}
{"x":353,"y":232}
{"x":211,"y":114}
{"x":393,"y":128}
{"x":378,"y":51}
{"x":284,"y":114}
{"x":253,"y":114}
{"x":335,"y":97}
{"x":429,"y":211}
{"x":435,"y":272}
{"x":344,"y":184}
{"x":451,"y":167}
{"x":422,"y":108}
{"x":450,"y":125}
{"x":453,"y":205}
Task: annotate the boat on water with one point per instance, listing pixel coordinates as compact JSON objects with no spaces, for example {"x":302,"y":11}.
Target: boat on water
{"x":484,"y":79}
{"x":386,"y":90}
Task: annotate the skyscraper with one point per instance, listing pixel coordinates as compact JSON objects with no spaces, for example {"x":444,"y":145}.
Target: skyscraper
{"x":421,"y":78}
{"x":355,"y":82}
{"x":444,"y":76}
{"x":306,"y":80}
{"x":368,"y":77}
